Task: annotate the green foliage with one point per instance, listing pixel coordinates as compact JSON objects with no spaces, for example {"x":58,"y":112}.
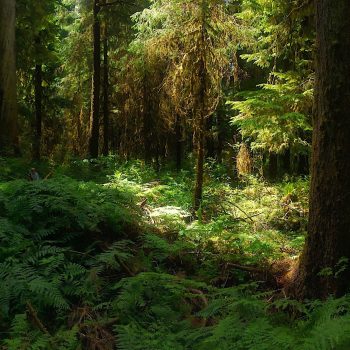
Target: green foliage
{"x":37,"y":40}
{"x":240,"y":318}
{"x":205,"y":32}
{"x":281,"y":33}
{"x":276,"y":117}
{"x":77,"y":271}
{"x":118,"y":252}
{"x":51,"y":252}
{"x":105,"y":253}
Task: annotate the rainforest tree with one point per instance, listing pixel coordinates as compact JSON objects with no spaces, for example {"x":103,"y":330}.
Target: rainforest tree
{"x":8,"y":99}
{"x":274,"y":118}
{"x":324,"y":265}
{"x":38,"y":36}
{"x":198,"y":38}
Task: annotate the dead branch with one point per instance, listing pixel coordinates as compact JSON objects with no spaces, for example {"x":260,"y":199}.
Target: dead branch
{"x":33,"y":316}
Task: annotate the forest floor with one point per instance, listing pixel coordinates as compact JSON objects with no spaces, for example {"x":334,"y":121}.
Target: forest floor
{"x":108,"y":255}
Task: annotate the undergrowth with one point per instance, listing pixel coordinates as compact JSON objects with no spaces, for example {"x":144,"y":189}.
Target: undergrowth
{"x":121,"y":263}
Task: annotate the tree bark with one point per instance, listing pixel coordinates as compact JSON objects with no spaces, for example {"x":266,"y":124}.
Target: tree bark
{"x":96,"y":85}
{"x":106,"y":137}
{"x":328,"y":241}
{"x":8,"y":93}
{"x":198,"y":191}
{"x":38,"y":79}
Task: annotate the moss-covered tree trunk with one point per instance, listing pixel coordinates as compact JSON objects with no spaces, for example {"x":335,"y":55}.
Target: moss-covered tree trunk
{"x":96,"y":84}
{"x":324,"y":265}
{"x":198,"y":191}
{"x":8,"y":98}
{"x":200,"y":123}
{"x":106,"y":137}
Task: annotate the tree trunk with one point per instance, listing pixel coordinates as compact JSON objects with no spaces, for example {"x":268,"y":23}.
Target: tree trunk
{"x":105,"y":93}
{"x":198,"y":191}
{"x":38,"y":112}
{"x":328,"y":242}
{"x":8,"y":93}
{"x":96,"y":85}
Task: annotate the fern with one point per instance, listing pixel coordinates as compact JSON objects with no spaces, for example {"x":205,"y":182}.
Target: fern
{"x":118,"y":252}
{"x":66,"y":246}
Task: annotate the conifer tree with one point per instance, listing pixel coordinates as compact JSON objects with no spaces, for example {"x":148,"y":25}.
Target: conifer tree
{"x":324,"y":265}
{"x":198,"y":38}
{"x":8,"y":94}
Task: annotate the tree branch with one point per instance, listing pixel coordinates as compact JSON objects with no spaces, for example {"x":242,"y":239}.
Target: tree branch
{"x":35,"y":319}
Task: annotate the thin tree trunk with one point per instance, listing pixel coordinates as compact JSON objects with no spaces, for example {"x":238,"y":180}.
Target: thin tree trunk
{"x":96,"y":85}
{"x":198,"y":191}
{"x":106,"y":133}
{"x":38,"y":91}
{"x":8,"y":93}
{"x":324,"y":265}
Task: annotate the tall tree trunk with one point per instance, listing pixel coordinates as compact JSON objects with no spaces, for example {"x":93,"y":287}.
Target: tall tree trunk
{"x":8,"y":93}
{"x":198,"y":191}
{"x":106,"y":132}
{"x":327,"y":246}
{"x":38,"y":89}
{"x":96,"y":85}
